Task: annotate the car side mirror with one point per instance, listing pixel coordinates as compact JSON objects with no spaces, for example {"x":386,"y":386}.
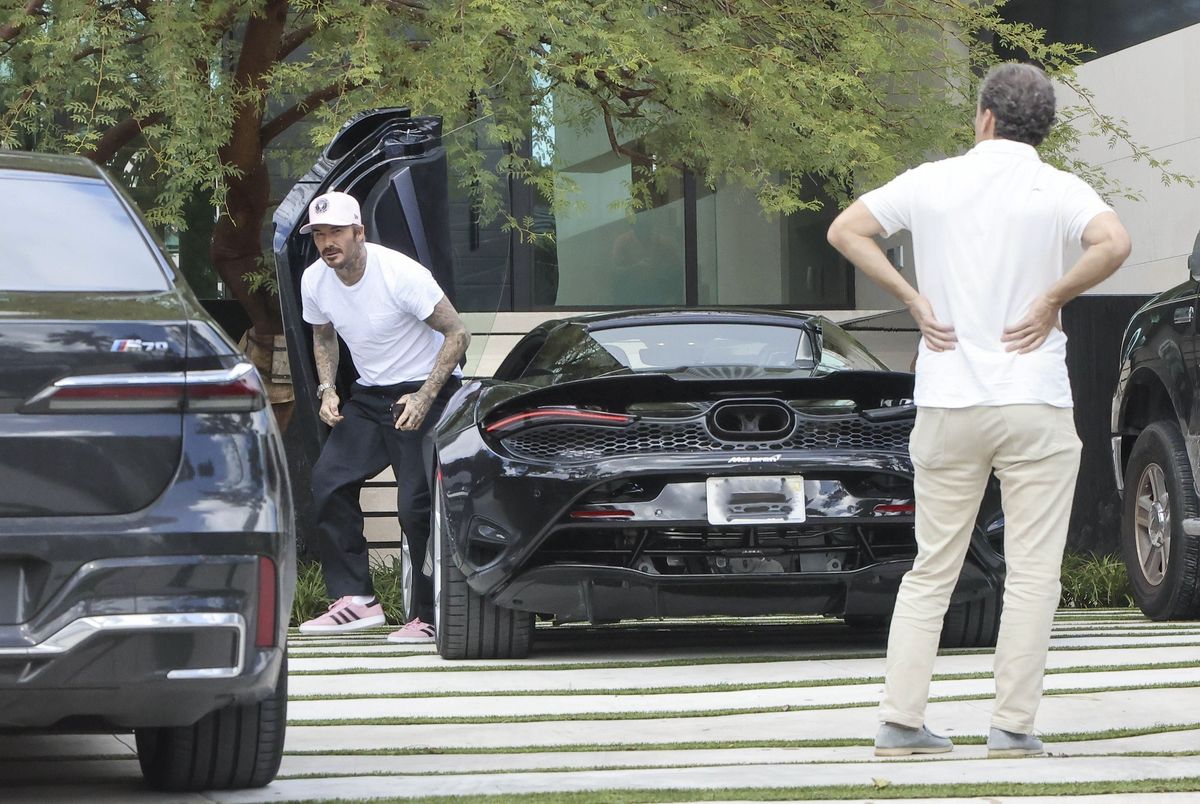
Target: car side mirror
{"x":1193,"y":259}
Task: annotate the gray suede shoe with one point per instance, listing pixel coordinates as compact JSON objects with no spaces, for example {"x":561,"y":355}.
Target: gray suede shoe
{"x":1003,"y":744}
{"x":894,"y":740}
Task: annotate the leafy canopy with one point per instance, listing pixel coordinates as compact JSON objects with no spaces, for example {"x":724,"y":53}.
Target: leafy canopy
{"x":762,"y":93}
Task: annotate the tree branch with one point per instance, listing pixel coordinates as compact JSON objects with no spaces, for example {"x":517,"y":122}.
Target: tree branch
{"x":295,"y":39}
{"x":119,"y":136}
{"x":10,"y":32}
{"x":293,"y":114}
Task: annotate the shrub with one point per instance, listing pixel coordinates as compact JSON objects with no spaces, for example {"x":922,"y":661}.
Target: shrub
{"x":313,"y":599}
{"x":1091,"y":581}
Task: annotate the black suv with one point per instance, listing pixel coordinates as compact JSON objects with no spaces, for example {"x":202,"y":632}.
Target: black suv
{"x":1156,"y":451}
{"x":147,"y":551}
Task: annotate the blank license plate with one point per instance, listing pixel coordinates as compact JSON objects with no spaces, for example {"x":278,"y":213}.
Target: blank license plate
{"x":759,"y":500}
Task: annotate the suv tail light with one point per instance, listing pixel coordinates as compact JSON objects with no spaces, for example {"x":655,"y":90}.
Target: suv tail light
{"x":229,"y":390}
{"x":561,"y":415}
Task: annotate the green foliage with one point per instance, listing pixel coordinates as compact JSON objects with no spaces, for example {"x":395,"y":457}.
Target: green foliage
{"x":1090,"y":581}
{"x":762,"y":93}
{"x":312,"y":599}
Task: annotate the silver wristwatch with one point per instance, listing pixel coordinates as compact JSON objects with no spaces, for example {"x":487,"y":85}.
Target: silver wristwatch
{"x":322,"y":388}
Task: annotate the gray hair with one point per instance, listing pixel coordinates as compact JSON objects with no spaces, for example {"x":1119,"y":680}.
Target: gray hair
{"x":1022,"y":99}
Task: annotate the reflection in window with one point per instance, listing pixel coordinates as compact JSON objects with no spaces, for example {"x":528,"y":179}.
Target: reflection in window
{"x":601,"y":255}
{"x":71,"y":235}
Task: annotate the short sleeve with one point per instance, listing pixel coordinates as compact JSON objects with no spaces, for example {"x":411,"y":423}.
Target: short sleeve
{"x":417,"y":292}
{"x":311,"y":311}
{"x":1080,"y":204}
{"x":892,"y":204}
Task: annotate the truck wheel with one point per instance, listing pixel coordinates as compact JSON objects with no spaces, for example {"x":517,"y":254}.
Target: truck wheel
{"x":469,"y":626}
{"x":230,"y":749}
{"x":1163,"y":562}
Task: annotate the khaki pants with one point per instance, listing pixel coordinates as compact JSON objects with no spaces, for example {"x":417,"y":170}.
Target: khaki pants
{"x":1035,"y":453}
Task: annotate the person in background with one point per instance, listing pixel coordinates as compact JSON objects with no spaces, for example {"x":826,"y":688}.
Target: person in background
{"x":989,"y":230}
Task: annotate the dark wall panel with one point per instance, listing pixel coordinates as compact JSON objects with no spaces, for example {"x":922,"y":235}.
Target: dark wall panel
{"x":1104,"y":25}
{"x":1094,"y":326}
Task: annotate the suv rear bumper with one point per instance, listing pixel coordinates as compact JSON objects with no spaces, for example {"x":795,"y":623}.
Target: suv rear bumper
{"x":146,"y":641}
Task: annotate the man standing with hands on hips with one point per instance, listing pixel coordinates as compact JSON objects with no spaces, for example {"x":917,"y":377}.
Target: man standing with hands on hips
{"x":989,"y":232}
{"x":407,"y":341}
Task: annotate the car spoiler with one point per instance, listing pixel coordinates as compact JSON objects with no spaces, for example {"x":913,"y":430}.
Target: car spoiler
{"x":878,"y":395}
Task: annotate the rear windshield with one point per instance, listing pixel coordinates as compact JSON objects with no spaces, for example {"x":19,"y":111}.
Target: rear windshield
{"x":70,"y":234}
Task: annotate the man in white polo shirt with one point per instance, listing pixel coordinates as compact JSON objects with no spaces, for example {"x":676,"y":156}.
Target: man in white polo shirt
{"x":406,"y":340}
{"x":989,"y":232}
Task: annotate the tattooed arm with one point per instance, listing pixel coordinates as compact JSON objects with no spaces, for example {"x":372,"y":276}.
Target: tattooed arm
{"x":444,"y":319}
{"x":325,"y":355}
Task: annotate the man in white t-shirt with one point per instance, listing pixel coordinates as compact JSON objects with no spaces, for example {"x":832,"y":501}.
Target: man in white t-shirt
{"x":989,"y":232}
{"x":406,"y":340}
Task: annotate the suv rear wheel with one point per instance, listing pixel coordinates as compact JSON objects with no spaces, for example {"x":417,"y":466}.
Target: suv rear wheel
{"x":1163,"y":562}
{"x":233,"y":748}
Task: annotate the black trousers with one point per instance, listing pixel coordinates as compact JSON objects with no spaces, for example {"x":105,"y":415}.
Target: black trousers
{"x":358,"y":448}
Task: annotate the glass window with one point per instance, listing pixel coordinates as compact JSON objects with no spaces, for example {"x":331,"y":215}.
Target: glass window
{"x":601,"y":255}
{"x":569,"y":353}
{"x":746,"y":257}
{"x":665,"y":346}
{"x":839,"y":350}
{"x":71,"y":234}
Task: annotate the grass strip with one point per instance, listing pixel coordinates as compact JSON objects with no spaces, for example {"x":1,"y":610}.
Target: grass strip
{"x":879,"y":791}
{"x":690,"y":661}
{"x":868,"y":760}
{"x":731,"y":686}
{"x":837,"y":742}
{"x":447,"y":720}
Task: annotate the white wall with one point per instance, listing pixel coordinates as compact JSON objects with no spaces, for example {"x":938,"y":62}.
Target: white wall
{"x":1155,"y":88}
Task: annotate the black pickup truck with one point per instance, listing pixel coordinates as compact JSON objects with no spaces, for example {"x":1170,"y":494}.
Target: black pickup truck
{"x":1156,"y":451}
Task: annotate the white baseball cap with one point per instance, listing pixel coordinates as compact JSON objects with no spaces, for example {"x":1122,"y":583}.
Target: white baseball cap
{"x":332,"y":209}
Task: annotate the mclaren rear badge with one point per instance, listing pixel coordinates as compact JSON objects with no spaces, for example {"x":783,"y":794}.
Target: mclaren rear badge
{"x":756,"y":458}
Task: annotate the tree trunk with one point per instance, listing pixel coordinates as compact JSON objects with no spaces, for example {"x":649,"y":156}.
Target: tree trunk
{"x":237,"y":238}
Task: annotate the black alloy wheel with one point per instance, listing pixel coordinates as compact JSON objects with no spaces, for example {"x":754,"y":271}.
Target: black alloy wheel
{"x":469,"y":626}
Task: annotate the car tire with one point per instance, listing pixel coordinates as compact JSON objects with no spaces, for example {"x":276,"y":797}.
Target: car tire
{"x":973,"y":623}
{"x":1162,"y":561}
{"x":233,"y":748}
{"x":469,"y":626}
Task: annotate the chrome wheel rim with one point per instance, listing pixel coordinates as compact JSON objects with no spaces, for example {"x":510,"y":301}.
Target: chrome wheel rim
{"x":406,"y":578}
{"x":1152,"y":524}
{"x":435,"y":536}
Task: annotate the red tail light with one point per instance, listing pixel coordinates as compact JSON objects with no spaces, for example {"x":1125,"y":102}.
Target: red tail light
{"x":559,"y":416}
{"x":265,"y":632}
{"x":906,"y":508}
{"x":220,"y":390}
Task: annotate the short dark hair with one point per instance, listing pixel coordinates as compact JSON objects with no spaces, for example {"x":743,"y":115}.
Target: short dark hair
{"x":1022,"y":99}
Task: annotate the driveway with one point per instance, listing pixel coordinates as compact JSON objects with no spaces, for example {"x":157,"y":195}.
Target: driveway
{"x":720,"y":705}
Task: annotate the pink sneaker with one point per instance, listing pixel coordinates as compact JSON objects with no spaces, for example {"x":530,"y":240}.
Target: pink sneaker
{"x":345,"y":615}
{"x":414,"y":632}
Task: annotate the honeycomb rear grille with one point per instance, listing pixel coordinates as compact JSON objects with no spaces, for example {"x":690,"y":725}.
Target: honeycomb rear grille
{"x":573,"y":442}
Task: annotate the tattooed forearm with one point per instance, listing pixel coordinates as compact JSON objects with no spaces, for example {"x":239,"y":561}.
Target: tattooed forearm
{"x":325,"y":353}
{"x":445,"y":320}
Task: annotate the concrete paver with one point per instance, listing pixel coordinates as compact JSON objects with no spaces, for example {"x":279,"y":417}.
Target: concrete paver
{"x":103,"y":768}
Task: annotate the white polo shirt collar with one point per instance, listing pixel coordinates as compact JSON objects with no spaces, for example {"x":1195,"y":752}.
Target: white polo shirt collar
{"x":999,"y":146}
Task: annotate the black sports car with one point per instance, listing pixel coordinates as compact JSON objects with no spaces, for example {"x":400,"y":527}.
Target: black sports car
{"x":683,"y":462}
